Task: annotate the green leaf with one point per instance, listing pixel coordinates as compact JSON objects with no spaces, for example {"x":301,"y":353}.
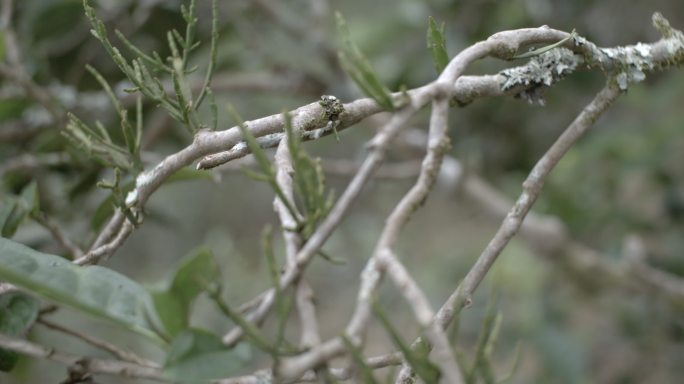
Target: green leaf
{"x":15,"y":210}
{"x":12,"y":215}
{"x":30,"y":199}
{"x":17,"y":313}
{"x":2,"y":46}
{"x":262,"y":160}
{"x":437,"y":45}
{"x":97,"y":144}
{"x":213,"y":54}
{"x":365,"y":371}
{"x":418,"y":358}
{"x":197,"y":356}
{"x":106,"y":207}
{"x":191,"y":278}
{"x":486,"y":341}
{"x":359,"y":69}
{"x":185,"y":174}
{"x":309,"y":181}
{"x":96,"y":290}
{"x":127,"y":130}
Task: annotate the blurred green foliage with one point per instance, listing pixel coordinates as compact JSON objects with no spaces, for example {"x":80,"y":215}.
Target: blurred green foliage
{"x":625,"y":177}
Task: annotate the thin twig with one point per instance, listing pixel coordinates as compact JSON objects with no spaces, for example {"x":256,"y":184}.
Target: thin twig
{"x":98,"y":343}
{"x":532,"y":187}
{"x":304,"y":295}
{"x":88,"y":364}
{"x":58,"y":234}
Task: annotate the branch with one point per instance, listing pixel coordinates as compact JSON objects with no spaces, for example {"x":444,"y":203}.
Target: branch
{"x":56,"y":232}
{"x":101,"y":344}
{"x":304,"y":295}
{"x":532,"y":187}
{"x":87,"y":364}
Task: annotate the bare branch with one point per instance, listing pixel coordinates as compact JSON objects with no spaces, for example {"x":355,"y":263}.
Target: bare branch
{"x":304,"y":295}
{"x":531,"y":189}
{"x":58,"y":234}
{"x":104,"y":345}
{"x":87,"y":364}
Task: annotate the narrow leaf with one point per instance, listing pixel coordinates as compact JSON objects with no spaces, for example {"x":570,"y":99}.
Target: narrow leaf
{"x":541,"y":50}
{"x":357,"y":356}
{"x":425,"y":369}
{"x":437,"y":45}
{"x":213,"y":54}
{"x":251,"y":331}
{"x":359,"y":69}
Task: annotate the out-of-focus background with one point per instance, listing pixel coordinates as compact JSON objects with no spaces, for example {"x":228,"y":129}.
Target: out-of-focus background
{"x":624,"y":179}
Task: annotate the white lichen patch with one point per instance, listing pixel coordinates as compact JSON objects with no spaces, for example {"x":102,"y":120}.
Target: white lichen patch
{"x":675,"y":46}
{"x":541,"y":71}
{"x":632,"y":62}
{"x":143,"y":179}
{"x":239,"y":146}
{"x":132,"y":197}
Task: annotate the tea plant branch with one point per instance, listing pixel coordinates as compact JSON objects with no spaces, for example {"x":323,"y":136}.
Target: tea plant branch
{"x":58,"y":234}
{"x":546,"y":234}
{"x":293,"y":367}
{"x":265,"y":376}
{"x":101,"y":344}
{"x":304,"y":295}
{"x":81,"y":363}
{"x":500,"y":45}
{"x":384,"y":261}
{"x":532,"y":187}
{"x":466,"y":90}
{"x":635,"y":60}
{"x":211,"y":142}
{"x":378,"y":146}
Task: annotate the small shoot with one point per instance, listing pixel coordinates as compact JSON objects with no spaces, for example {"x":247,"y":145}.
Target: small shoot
{"x":143,"y":70}
{"x":97,"y":143}
{"x":491,"y":325}
{"x":213,"y":53}
{"x":251,"y":331}
{"x":309,"y":182}
{"x":359,"y":69}
{"x":130,"y":133}
{"x":118,"y":196}
{"x":364,"y":371}
{"x":539,"y":51}
{"x":514,"y":368}
{"x":14,"y":210}
{"x":437,"y":45}
{"x":418,"y":360}
{"x":282,"y":305}
{"x":154,"y":61}
{"x":268,"y":172}
{"x":213,"y":109}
